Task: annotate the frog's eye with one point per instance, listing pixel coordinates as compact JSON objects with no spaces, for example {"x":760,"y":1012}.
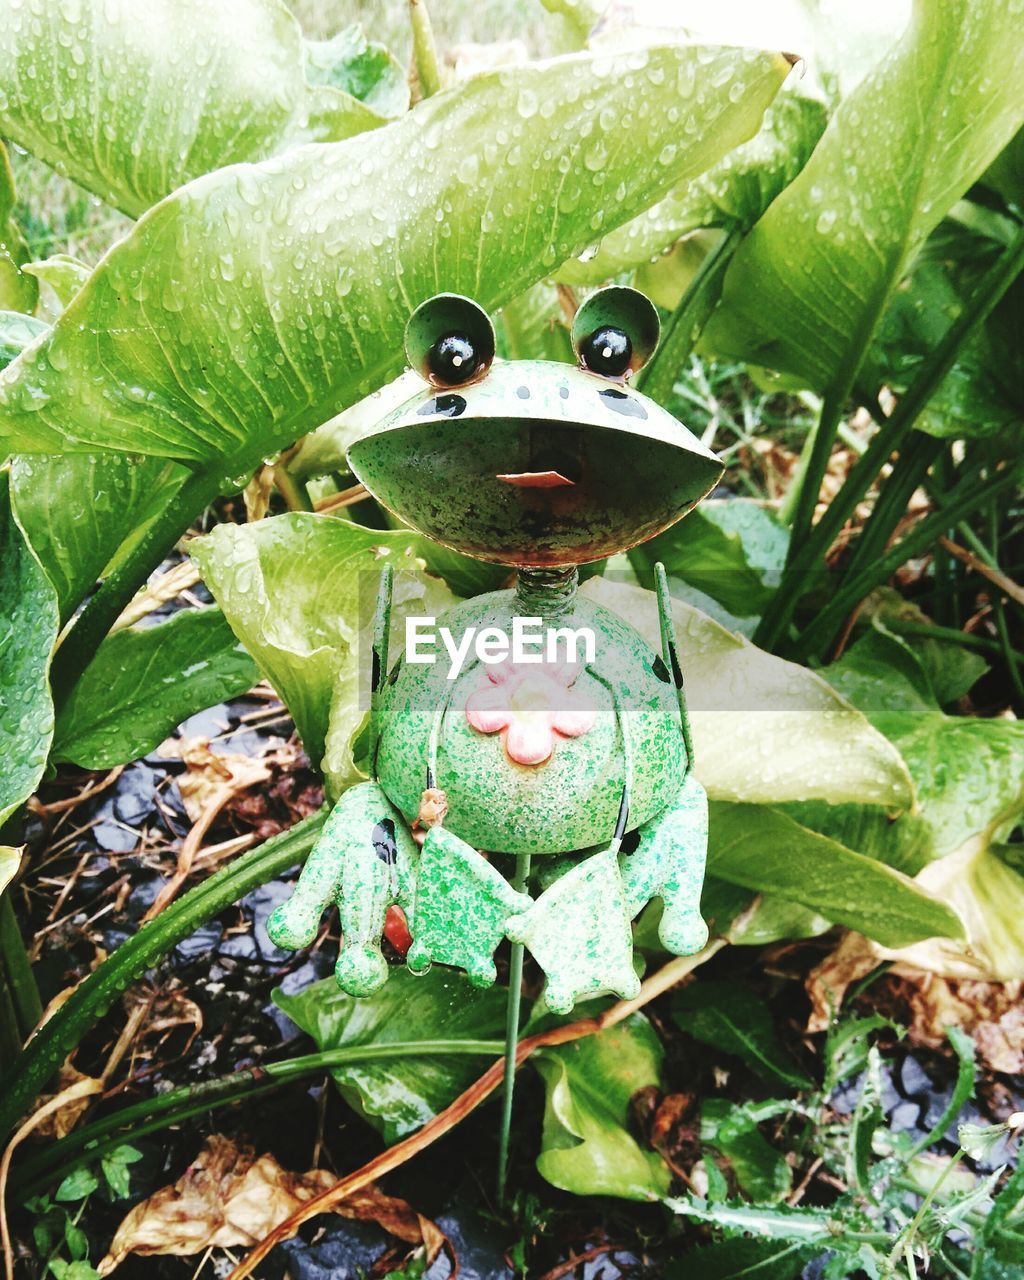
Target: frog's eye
{"x":615,"y":331}
{"x":449,"y":340}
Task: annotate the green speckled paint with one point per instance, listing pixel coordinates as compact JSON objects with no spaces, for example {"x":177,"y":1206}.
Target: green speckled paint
{"x":616,"y":797}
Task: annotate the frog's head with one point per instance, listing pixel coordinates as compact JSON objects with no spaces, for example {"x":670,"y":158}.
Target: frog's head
{"x":534,"y":462}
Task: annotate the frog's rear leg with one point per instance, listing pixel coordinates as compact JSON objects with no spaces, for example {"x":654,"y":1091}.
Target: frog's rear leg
{"x":667,"y":860}
{"x":365,"y":859}
{"x":461,"y":907}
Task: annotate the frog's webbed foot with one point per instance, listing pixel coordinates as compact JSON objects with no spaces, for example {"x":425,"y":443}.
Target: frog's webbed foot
{"x":668,"y":862}
{"x":365,"y":858}
{"x":460,"y":909}
{"x":578,"y":932}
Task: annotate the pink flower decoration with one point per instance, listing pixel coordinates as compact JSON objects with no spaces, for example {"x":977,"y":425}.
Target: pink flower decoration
{"x":531,"y":705}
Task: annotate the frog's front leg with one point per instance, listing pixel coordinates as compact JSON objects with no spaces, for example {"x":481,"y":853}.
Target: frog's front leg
{"x":364,"y":859}
{"x":668,"y":862}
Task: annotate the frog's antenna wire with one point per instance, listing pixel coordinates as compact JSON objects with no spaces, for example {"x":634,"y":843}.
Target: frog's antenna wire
{"x":379,"y":660}
{"x":515,"y":992}
{"x":670,"y":652}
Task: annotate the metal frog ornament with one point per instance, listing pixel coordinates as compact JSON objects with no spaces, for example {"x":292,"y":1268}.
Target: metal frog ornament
{"x":540,"y":466}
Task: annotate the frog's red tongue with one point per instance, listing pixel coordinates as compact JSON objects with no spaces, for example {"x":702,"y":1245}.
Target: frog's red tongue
{"x":535,"y":479}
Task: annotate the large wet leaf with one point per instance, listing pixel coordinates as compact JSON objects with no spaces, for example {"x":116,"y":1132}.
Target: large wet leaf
{"x":969,"y":772}
{"x":432,"y":1018}
{"x":79,"y":509}
{"x":133,"y":100}
{"x":257,"y":302}
{"x":731,"y":550}
{"x":766,"y":730}
{"x":28,"y":630}
{"x":807,"y":288}
{"x":144,"y":681}
{"x":587,"y":1146}
{"x":764,"y":849}
{"x":299,"y":591}
{"x":18,"y":291}
{"x":736,"y":190}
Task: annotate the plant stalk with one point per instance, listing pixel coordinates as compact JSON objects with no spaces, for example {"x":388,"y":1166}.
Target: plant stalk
{"x":16,"y":965}
{"x":424,"y":49}
{"x":166,"y":1109}
{"x":809,"y":547}
{"x":79,"y":645}
{"x":689,"y":318}
{"x":93,"y":997}
{"x":970,"y":498}
{"x":515,"y":994}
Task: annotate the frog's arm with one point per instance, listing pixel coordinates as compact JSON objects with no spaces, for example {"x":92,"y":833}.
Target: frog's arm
{"x":670,"y":654}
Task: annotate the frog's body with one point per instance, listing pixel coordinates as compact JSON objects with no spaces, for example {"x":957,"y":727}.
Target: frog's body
{"x":543,"y":467}
{"x":572,"y":800}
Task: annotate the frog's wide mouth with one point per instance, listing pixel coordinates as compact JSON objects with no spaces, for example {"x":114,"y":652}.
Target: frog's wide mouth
{"x":531,"y":491}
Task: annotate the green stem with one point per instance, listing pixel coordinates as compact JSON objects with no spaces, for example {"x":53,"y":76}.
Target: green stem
{"x":78,"y":648}
{"x":813,"y":470}
{"x":20,"y":979}
{"x":906,"y":1236}
{"x":166,"y":1109}
{"x":808,"y":548}
{"x":948,"y":635}
{"x":689,"y":318}
{"x":93,"y":997}
{"x":969,"y":499}
{"x":293,"y":490}
{"x":515,"y":993}
{"x":424,"y":49}
{"x":909,"y":471}
{"x":787,"y":507}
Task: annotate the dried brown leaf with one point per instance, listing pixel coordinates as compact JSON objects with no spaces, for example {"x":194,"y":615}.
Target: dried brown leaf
{"x":229,"y":1197}
{"x":990,"y":1012}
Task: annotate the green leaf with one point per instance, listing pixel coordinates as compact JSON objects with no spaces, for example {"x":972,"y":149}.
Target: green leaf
{"x":904,"y":843}
{"x":968,"y":772}
{"x":10,"y":860}
{"x":116,"y":1169}
{"x":360,"y":68}
{"x":16,"y":332}
{"x":806,"y":290}
{"x":64,"y":274}
{"x":132,"y":101}
{"x":733,"y":1020}
{"x":18,"y":291}
{"x":736,"y":190}
{"x":258,"y":301}
{"x":82,"y":511}
{"x":28,"y":631}
{"x":763,"y":849}
{"x":299,"y":591}
{"x":761,"y":1172}
{"x":144,"y":681}
{"x":586,"y":1146}
{"x":867,"y":1118}
{"x":733,"y":550}
{"x":765,"y":730}
{"x":437,"y":1019}
{"x":76,"y":1186}
{"x":742,"y":1260}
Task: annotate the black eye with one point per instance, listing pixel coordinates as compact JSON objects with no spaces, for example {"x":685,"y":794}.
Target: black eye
{"x":452,"y":359}
{"x":608,"y":351}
